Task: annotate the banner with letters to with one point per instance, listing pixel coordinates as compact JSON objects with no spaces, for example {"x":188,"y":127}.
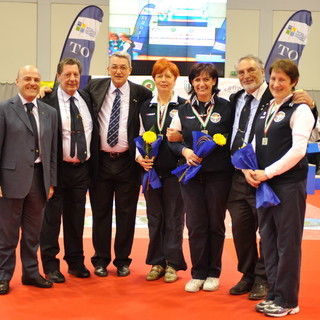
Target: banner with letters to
{"x":80,"y":41}
{"x":291,"y":39}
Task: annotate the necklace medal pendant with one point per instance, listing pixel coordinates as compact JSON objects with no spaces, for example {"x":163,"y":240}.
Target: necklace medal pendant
{"x":264,"y":141}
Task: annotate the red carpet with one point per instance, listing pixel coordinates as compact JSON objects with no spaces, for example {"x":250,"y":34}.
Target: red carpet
{"x":135,"y":298}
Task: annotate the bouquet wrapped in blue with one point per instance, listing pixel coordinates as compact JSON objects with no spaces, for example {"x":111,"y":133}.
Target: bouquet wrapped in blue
{"x":203,"y":144}
{"x":148,"y":145}
{"x":245,"y":158}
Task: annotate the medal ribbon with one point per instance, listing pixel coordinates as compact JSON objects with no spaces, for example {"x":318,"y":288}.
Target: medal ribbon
{"x":161,"y":117}
{"x":206,"y":121}
{"x":271,"y":114}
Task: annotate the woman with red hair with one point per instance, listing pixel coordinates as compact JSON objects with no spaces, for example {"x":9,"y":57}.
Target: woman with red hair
{"x":165,"y":210}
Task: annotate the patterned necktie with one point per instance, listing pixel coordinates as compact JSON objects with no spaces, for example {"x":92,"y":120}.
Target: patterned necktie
{"x":113,"y":130}
{"x":242,"y":127}
{"x":77,"y":133}
{"x":33,"y":123}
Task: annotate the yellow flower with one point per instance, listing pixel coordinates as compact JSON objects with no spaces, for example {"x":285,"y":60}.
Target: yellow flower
{"x":219,"y":139}
{"x":149,"y":137}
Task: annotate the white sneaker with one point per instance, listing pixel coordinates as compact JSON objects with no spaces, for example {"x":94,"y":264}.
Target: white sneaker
{"x":211,"y":284}
{"x":194,"y":285}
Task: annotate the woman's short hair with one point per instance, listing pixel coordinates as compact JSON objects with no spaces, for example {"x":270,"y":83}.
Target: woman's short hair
{"x":288,"y":67}
{"x":199,"y":68}
{"x":164,"y":64}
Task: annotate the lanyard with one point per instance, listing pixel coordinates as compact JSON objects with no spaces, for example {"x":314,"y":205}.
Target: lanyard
{"x":271,"y":114}
{"x":205,"y":122}
{"x":161,"y":116}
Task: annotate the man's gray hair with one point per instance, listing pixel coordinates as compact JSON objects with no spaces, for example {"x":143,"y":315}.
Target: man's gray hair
{"x":121,"y":54}
{"x":257,"y":60}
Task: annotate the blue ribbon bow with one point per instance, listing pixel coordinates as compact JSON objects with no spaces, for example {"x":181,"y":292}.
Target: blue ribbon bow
{"x":202,"y":146}
{"x":150,"y":177}
{"x":245,"y":158}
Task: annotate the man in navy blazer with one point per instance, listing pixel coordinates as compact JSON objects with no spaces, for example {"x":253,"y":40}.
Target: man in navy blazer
{"x":27,"y":177}
{"x":119,"y":174}
{"x":74,"y":176}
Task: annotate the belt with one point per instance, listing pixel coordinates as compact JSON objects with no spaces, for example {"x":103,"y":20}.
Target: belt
{"x":76,"y":164}
{"x":116,"y":154}
{"x":37,"y":165}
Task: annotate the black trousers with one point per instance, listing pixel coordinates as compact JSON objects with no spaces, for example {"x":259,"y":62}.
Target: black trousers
{"x":25,"y":214}
{"x":115,"y":182}
{"x":281,"y":229}
{"x":165,"y":212}
{"x":242,"y":208}
{"x":69,"y":202}
{"x":205,"y":198}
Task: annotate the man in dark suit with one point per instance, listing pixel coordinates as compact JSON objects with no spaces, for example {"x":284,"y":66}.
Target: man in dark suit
{"x":28,"y":152}
{"x":116,"y":103}
{"x":75,"y":170}
{"x":242,"y":201}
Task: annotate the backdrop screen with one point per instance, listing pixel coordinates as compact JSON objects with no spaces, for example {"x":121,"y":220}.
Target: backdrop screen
{"x":181,"y":30}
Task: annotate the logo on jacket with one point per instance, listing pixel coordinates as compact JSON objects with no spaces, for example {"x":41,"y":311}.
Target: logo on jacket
{"x":173,"y":112}
{"x":215,"y":117}
{"x":279,"y":116}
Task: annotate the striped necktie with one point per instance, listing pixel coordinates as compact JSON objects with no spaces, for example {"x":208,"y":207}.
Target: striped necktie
{"x":113,"y":130}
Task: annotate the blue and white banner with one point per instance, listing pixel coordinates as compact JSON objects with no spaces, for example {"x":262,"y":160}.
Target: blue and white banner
{"x":141,"y":30}
{"x":80,"y":41}
{"x":291,"y":39}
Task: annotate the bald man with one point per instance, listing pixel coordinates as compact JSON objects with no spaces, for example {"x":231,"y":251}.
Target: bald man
{"x":28,"y":153}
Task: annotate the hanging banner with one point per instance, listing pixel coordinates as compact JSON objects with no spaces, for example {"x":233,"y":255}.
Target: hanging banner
{"x":80,"y":41}
{"x":291,"y":39}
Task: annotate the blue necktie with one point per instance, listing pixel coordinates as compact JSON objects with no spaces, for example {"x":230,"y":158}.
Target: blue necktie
{"x":77,"y":133}
{"x":32,"y":119}
{"x":113,"y":130}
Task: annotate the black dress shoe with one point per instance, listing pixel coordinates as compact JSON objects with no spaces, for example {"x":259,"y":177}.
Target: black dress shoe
{"x":55,"y":276}
{"x":123,"y":271}
{"x":100,"y":271}
{"x":81,"y":272}
{"x":258,"y":292}
{"x":242,"y":287}
{"x":39,"y":282}
{"x":4,"y":286}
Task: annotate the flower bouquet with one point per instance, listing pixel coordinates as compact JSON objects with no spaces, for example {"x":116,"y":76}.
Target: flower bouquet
{"x":203,"y":144}
{"x":245,"y":158}
{"x":148,"y":145}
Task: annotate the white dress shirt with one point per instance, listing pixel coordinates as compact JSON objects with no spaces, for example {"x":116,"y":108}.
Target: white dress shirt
{"x":35,"y":112}
{"x":257,"y":95}
{"x":64,"y":105}
{"x":104,"y":118}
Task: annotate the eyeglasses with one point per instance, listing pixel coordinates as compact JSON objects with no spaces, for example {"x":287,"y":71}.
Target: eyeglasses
{"x":249,"y":72}
{"x":122,"y":68}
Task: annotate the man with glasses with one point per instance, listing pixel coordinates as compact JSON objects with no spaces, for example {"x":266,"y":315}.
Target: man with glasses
{"x":116,"y":103}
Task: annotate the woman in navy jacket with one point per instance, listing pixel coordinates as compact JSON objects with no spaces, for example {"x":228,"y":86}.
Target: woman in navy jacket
{"x":165,"y":210}
{"x":206,"y":194}
{"x":281,"y":139}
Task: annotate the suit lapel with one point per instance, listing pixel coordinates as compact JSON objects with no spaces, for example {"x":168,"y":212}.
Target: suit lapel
{"x":43,"y":117}
{"x":18,"y":107}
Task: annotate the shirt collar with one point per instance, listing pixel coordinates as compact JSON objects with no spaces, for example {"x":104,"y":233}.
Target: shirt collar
{"x":259,"y":92}
{"x":195,"y":101}
{"x":173,"y":100}
{"x":24,"y":101}
{"x":65,"y":96}
{"x":124,"y":89}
